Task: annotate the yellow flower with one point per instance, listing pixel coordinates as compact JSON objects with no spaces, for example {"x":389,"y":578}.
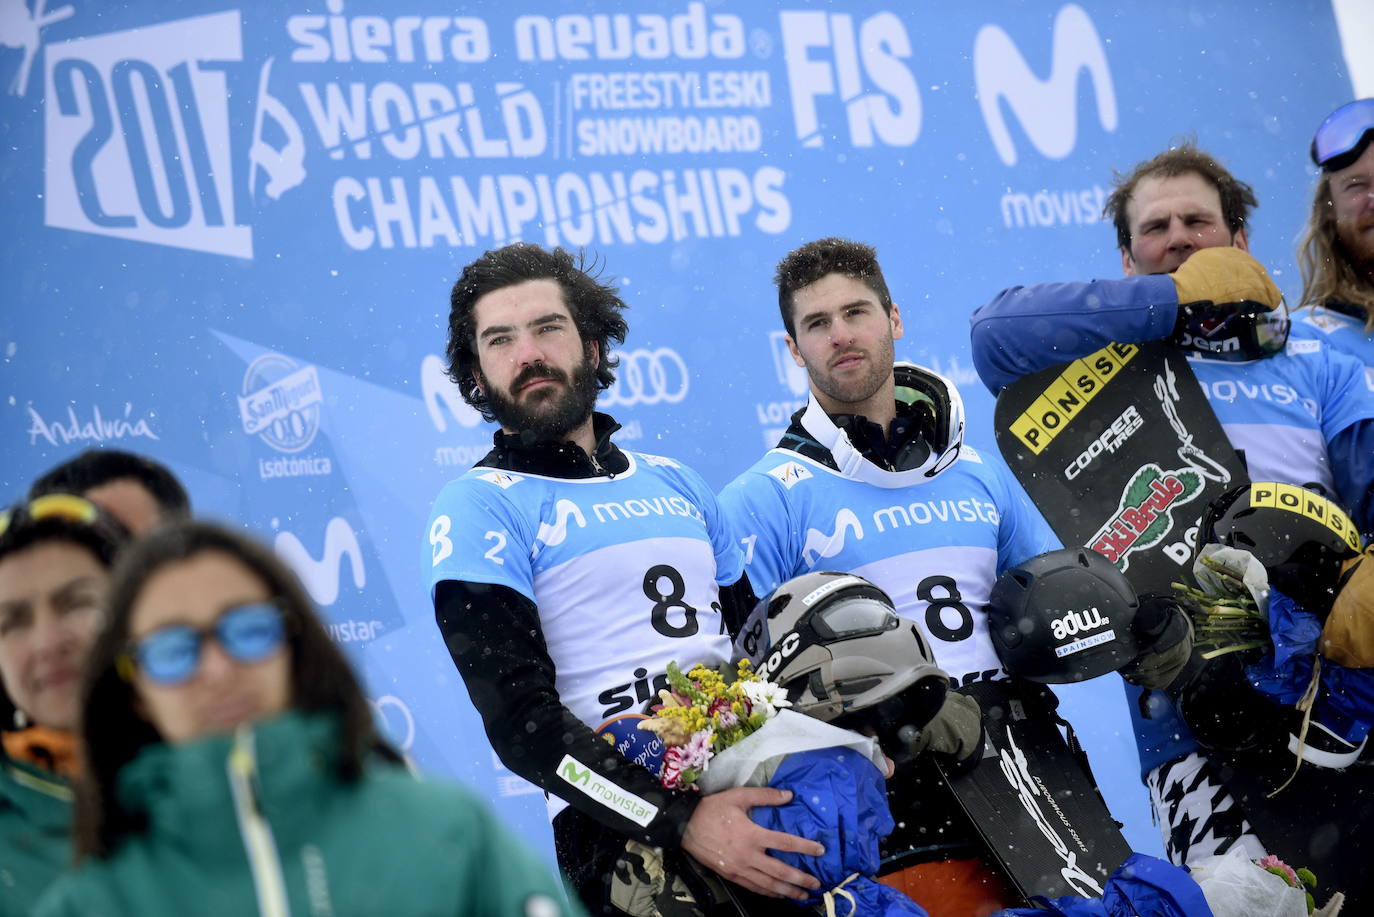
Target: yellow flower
{"x":709,"y":679}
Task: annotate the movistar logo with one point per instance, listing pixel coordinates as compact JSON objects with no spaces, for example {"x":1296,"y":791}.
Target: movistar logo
{"x":553,"y":535}
{"x":1048,"y":108}
{"x":595,"y":787}
{"x":820,"y":544}
{"x":438,"y":389}
{"x":321,"y":577}
{"x":575,"y":775}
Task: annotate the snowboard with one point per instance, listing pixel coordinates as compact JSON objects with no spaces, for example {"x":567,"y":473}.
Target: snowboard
{"x":1033,"y":803}
{"x":1121,"y":453}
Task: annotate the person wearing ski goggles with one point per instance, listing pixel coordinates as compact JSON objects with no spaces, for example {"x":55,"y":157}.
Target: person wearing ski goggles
{"x":233,"y":764}
{"x":137,"y":490}
{"x":1296,"y":409}
{"x":1336,"y":250}
{"x":55,"y":558}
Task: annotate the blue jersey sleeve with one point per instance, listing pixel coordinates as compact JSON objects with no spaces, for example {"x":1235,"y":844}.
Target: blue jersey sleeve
{"x":728,"y":551}
{"x":1349,"y":393}
{"x":1347,"y":419}
{"x":760,"y":520}
{"x":1022,"y":531}
{"x":474,"y":536}
{"x":1025,"y":329}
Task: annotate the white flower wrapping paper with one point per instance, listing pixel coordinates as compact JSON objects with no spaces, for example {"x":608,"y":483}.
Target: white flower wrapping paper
{"x":753,"y":761}
{"x":1239,"y":562}
{"x":1236,"y":887}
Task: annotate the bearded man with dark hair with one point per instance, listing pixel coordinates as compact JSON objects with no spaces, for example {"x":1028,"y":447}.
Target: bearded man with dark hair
{"x":562,"y":617}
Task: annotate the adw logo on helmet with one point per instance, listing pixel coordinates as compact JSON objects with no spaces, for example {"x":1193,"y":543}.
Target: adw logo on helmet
{"x":1047,"y":109}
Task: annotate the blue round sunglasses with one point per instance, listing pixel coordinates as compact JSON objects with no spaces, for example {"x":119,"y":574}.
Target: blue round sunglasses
{"x":170,"y":655}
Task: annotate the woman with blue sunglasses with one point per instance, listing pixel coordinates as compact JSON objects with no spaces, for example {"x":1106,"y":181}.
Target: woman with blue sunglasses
{"x":55,"y":558}
{"x":1336,"y":251}
{"x":233,"y":765}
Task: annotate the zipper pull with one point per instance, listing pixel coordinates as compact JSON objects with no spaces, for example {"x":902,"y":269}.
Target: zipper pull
{"x":243,"y":763}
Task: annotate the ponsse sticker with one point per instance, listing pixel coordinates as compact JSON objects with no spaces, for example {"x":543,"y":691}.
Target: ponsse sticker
{"x":1305,"y":503}
{"x":1066,"y":397}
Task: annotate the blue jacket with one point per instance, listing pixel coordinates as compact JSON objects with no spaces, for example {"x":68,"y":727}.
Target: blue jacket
{"x":1304,"y":415}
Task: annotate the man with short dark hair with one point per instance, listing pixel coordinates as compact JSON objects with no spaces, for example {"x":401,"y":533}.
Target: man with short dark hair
{"x":133,"y":488}
{"x":562,"y":607}
{"x":1157,"y":248}
{"x":873,"y":477}
{"x":1336,"y":252}
{"x":1298,"y":414}
{"x":1296,"y":411}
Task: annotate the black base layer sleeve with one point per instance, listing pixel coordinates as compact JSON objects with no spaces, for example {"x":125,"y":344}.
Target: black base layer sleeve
{"x":494,"y":636}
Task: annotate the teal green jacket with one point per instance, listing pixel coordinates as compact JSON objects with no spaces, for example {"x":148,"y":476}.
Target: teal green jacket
{"x":35,"y":833}
{"x":260,"y":823}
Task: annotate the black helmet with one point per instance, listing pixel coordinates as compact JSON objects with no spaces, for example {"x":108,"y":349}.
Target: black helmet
{"x":1300,"y":537}
{"x":835,"y":643}
{"x":1063,"y":616}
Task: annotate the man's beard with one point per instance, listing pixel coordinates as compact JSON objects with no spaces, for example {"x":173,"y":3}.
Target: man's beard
{"x":1357,"y":247}
{"x":550,"y":413}
{"x":857,"y":391}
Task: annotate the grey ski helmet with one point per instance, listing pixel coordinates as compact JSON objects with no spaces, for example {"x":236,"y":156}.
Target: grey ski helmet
{"x":835,"y":643}
{"x":1063,"y":616}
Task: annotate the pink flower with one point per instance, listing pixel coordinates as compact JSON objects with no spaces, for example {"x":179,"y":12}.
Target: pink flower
{"x":725,"y":717}
{"x":673,"y":764}
{"x":698,"y":751}
{"x":1272,"y":862}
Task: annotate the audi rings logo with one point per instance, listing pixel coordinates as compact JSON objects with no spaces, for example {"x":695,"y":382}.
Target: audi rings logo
{"x":648,"y":377}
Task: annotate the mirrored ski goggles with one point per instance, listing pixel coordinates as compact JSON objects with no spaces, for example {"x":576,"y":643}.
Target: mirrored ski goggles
{"x":51,"y":506}
{"x":853,"y":616}
{"x":1236,"y":332}
{"x":170,"y":655}
{"x":936,"y":397}
{"x":1343,"y":136}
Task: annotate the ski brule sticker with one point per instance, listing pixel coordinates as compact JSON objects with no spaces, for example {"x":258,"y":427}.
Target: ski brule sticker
{"x":1145,"y":514}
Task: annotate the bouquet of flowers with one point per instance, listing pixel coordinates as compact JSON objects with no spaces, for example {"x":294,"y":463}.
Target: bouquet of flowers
{"x":1227,"y":617}
{"x":728,"y":727}
{"x":1277,"y":642}
{"x":705,"y":712}
{"x":1238,"y":886}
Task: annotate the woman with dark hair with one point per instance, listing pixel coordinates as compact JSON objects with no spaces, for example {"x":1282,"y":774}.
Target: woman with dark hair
{"x":232,"y":764}
{"x":55,"y":558}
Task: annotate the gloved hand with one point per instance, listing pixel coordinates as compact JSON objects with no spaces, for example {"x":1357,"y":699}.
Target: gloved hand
{"x":1348,"y":635}
{"x":1224,"y":275}
{"x":1164,"y":631}
{"x":956,"y":731}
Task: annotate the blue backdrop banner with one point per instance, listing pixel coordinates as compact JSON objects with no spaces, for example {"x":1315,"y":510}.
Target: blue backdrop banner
{"x":230,"y":233}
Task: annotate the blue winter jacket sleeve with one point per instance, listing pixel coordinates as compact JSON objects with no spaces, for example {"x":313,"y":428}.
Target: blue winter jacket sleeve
{"x":1025,"y":329}
{"x":1352,"y":468}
